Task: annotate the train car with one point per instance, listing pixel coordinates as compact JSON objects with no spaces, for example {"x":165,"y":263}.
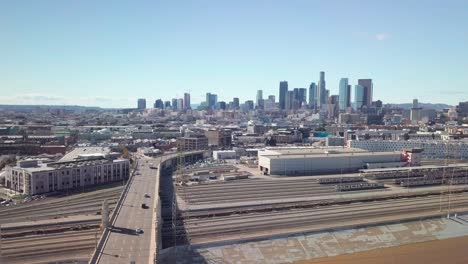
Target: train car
{"x":340,"y":180}
{"x":426,"y":182}
{"x":358,"y":186}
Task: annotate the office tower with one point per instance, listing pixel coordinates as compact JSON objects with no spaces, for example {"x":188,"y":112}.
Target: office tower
{"x":167,"y":104}
{"x":222,"y":105}
{"x":174,"y":104}
{"x":327,"y":96}
{"x":368,"y":90}
{"x":333,"y":108}
{"x":211,"y":100}
{"x":358,"y":97}
{"x":187,"y":101}
{"x":289,"y":100}
{"x":283,"y":90}
{"x":270,"y":103}
{"x":415,"y":114}
{"x":207,"y":99}
{"x":260,"y":99}
{"x":249,"y":104}
{"x":180,"y":104}
{"x":302,"y":95}
{"x":141,"y":103}
{"x":235,"y":102}
{"x":295,"y":104}
{"x":322,"y":98}
{"x":159,"y":104}
{"x":344,"y":94}
{"x":313,"y":96}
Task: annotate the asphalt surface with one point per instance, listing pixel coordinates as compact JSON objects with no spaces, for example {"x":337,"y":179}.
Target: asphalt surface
{"x":123,"y":244}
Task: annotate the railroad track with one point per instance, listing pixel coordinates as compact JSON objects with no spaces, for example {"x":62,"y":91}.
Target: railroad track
{"x":53,"y":209}
{"x":36,"y":246}
{"x":323,"y":210}
{"x":271,"y":195}
{"x":21,"y":231}
{"x":337,"y":215}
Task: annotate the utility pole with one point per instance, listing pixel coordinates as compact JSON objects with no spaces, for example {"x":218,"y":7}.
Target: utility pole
{"x":104,"y":215}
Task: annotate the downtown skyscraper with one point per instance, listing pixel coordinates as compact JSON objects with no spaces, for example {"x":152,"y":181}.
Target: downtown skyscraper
{"x":283,"y":90}
{"x":313,"y":96}
{"x":359,"y":97}
{"x":186,"y":101}
{"x":344,"y":95}
{"x":322,"y":90}
{"x":368,"y":88}
{"x":141,"y":104}
{"x":259,"y":100}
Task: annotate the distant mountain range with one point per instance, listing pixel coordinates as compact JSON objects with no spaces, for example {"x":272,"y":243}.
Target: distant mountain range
{"x":37,"y":107}
{"x":423,"y":105}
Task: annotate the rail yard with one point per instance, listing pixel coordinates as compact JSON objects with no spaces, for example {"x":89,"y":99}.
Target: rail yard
{"x":260,"y":207}
{"x":55,"y":227}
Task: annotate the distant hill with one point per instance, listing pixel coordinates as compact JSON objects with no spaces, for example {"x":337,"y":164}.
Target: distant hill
{"x":43,"y":107}
{"x":423,"y":105}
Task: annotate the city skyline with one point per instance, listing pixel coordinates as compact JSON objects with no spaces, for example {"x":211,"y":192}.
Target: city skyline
{"x":88,"y":53}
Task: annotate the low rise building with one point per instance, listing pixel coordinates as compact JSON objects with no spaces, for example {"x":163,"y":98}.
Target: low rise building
{"x":192,"y":142}
{"x":439,"y":149}
{"x":32,"y":177}
{"x":219,"y":137}
{"x":311,"y":161}
{"x":224,"y":154}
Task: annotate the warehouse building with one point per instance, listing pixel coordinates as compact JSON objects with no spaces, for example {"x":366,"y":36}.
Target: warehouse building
{"x":32,"y":177}
{"x":435,"y":149}
{"x":313,"y":161}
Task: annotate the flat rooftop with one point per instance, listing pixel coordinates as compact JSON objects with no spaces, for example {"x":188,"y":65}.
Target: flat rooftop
{"x":425,"y":167}
{"x":288,"y":153}
{"x":64,"y":165}
{"x":85,"y":151}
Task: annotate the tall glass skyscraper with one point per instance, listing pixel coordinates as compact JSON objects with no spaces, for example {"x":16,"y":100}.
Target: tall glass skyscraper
{"x":368,"y":90}
{"x":259,"y":99}
{"x":141,"y":103}
{"x":322,"y":90}
{"x":344,"y":94}
{"x":186,"y":101}
{"x":359,"y":96}
{"x":283,"y":90}
{"x":289,"y":100}
{"x":235,"y":102}
{"x":313,"y":96}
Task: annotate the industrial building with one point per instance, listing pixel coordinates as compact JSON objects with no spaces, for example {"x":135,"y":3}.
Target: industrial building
{"x":224,"y":154}
{"x":438,"y":149}
{"x":192,"y":142}
{"x":310,"y":161}
{"x":33,"y":177}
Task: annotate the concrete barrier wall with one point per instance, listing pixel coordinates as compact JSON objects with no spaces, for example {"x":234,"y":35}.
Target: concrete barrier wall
{"x":157,"y":221}
{"x":156,"y":242}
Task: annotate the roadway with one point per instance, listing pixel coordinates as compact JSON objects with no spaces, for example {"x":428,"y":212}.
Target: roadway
{"x":123,"y":244}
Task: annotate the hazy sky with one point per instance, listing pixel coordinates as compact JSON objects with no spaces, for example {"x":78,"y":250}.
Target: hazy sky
{"x":108,"y":53}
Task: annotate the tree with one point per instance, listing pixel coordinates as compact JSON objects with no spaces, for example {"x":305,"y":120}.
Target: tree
{"x":406,"y":136}
{"x":125,"y":153}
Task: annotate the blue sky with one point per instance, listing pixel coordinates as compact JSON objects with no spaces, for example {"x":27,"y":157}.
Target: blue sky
{"x":108,"y":53}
